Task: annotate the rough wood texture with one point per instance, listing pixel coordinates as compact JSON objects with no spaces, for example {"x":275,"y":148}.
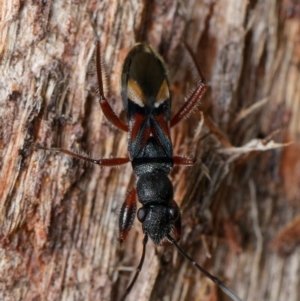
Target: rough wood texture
{"x":58,"y":216}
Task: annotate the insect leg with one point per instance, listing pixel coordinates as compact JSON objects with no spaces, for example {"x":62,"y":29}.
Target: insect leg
{"x":183,"y":161}
{"x":102,"y":162}
{"x":177,"y":225}
{"x":105,"y":106}
{"x":190,"y":104}
{"x":195,"y":97}
{"x":127,"y":215}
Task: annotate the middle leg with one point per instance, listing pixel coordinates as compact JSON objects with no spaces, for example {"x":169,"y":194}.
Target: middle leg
{"x":184,"y":161}
{"x":102,"y":162}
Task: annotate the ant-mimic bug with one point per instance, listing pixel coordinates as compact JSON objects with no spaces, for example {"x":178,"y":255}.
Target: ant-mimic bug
{"x":147,"y":101}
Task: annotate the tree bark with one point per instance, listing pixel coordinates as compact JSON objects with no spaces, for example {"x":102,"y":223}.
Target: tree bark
{"x":59,"y":216}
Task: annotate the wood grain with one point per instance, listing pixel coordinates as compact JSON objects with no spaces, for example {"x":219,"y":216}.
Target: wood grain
{"x":58,"y":216}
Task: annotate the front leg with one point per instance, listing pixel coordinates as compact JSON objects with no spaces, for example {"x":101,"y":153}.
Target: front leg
{"x":177,"y":225}
{"x":127,"y":215}
{"x":105,"y":106}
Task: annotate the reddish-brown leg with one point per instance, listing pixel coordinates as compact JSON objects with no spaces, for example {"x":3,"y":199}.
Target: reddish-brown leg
{"x":127,"y":215}
{"x":177,"y":224}
{"x":176,"y":230}
{"x":195,"y":97}
{"x":183,"y":161}
{"x":102,"y":162}
{"x":105,"y":106}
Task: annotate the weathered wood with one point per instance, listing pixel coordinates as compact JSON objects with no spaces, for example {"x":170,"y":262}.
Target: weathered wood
{"x":58,"y":216}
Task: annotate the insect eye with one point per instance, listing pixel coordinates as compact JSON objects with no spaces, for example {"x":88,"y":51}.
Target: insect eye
{"x":173,"y":212}
{"x":141,"y":214}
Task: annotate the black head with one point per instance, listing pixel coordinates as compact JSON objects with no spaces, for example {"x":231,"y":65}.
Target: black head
{"x":158,"y":221}
{"x":159,"y":212}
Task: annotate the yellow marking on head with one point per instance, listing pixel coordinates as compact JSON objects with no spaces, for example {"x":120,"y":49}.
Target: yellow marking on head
{"x":163,"y":94}
{"x":135,"y":93}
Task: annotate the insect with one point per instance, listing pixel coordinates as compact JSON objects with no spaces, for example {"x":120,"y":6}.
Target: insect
{"x":147,"y":101}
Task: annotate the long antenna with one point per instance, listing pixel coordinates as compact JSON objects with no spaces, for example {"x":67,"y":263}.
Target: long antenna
{"x":219,"y":283}
{"x":138,"y":269}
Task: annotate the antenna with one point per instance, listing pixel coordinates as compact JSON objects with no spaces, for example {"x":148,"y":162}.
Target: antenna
{"x":138,"y":269}
{"x":219,"y":283}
